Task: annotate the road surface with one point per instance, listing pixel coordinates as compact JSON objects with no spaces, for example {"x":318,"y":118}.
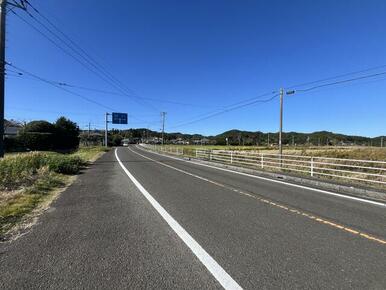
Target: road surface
{"x":136,"y":220}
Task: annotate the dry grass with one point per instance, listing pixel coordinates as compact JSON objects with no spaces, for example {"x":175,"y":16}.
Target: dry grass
{"x":365,"y":153}
{"x":30,"y":181}
{"x":345,"y":171}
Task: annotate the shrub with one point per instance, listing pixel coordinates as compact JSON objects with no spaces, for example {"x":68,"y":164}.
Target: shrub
{"x":38,"y":135}
{"x":13,"y":144}
{"x":42,"y":135}
{"x":67,"y":134}
{"x":64,"y":164}
{"x":22,"y":169}
{"x":116,"y":140}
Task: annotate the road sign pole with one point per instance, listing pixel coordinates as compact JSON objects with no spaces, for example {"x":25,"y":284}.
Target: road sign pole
{"x":106,"y":128}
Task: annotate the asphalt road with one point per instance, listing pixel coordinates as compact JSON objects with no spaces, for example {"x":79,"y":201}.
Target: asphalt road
{"x":196,"y":227}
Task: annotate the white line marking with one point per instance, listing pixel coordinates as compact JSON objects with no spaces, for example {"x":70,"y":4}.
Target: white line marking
{"x":217,"y":271}
{"x":275,"y":181}
{"x":177,"y":169}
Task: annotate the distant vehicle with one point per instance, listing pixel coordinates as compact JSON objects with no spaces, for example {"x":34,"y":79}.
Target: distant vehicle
{"x":126,"y":143}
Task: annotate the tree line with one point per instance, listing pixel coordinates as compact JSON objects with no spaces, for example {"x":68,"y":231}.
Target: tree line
{"x":249,"y":138}
{"x":63,"y":134}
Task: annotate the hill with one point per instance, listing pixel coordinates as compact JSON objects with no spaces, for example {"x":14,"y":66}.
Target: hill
{"x":239,"y":137}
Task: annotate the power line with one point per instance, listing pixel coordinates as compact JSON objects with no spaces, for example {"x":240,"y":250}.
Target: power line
{"x":341,"y":82}
{"x":69,"y":91}
{"x":226,"y":111}
{"x":84,"y":55}
{"x":50,"y":111}
{"x":299,"y":90}
{"x":64,"y":89}
{"x":86,"y":65}
{"x":336,"y":77}
{"x":90,"y":62}
{"x":65,"y":84}
{"x":81,"y":59}
{"x":121,"y":86}
{"x":76,"y":45}
{"x":79,"y":113}
{"x":220,"y":111}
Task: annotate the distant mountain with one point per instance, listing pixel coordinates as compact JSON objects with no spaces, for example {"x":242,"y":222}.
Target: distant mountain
{"x":236,"y":137}
{"x":239,"y":137}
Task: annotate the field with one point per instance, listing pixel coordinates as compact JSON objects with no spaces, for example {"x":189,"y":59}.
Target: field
{"x":30,"y":181}
{"x":365,"y":153}
{"x":363,"y":166}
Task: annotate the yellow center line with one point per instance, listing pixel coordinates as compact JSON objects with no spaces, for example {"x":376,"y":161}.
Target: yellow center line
{"x":275,"y":204}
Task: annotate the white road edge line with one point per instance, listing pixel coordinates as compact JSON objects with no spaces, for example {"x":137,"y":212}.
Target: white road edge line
{"x":213,"y":267}
{"x":275,"y":181}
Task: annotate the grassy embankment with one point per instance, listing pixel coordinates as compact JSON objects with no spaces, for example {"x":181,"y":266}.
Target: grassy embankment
{"x":365,"y":153}
{"x":30,"y":181}
{"x":342,"y":174}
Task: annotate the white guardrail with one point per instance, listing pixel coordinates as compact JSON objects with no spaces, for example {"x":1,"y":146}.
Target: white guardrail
{"x":365,"y":171}
{"x":164,"y":149}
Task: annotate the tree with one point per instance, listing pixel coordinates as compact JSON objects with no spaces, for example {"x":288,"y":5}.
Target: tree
{"x":38,"y":135}
{"x":66,"y":133}
{"x":116,"y":140}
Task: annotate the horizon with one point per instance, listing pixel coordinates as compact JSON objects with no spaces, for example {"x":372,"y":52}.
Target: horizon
{"x":219,"y":133}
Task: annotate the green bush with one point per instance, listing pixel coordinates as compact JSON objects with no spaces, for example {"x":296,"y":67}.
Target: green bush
{"x":38,"y":135}
{"x":22,"y":169}
{"x":13,"y":144}
{"x":19,"y":169}
{"x":65,"y":164}
{"x":66,"y":134}
{"x":116,"y":140}
{"x":44,"y":136}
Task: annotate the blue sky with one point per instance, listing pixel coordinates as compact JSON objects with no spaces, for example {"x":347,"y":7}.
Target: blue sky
{"x":208,"y":54}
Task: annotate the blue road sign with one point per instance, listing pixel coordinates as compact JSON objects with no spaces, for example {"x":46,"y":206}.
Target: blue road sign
{"x":119,"y":118}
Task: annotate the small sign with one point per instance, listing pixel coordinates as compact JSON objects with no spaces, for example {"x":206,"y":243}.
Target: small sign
{"x":119,"y":118}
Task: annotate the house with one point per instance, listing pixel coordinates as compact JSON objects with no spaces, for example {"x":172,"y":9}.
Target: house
{"x":154,"y":140}
{"x":11,"y":128}
{"x":179,"y":141}
{"x":203,"y":141}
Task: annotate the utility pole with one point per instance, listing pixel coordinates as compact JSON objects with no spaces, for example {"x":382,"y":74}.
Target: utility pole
{"x":381,"y":142}
{"x":293,"y":140}
{"x":163,"y":115}
{"x":3,"y":10}
{"x":89,"y":129}
{"x":106,"y":128}
{"x":3,"y":6}
{"x":268,"y":140}
{"x":281,"y":124}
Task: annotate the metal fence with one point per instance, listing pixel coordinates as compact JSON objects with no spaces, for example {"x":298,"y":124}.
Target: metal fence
{"x":353,"y":170}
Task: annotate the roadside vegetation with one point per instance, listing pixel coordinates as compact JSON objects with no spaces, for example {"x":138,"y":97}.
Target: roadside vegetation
{"x":30,"y":181}
{"x":349,"y":165}
{"x":349,"y":152}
